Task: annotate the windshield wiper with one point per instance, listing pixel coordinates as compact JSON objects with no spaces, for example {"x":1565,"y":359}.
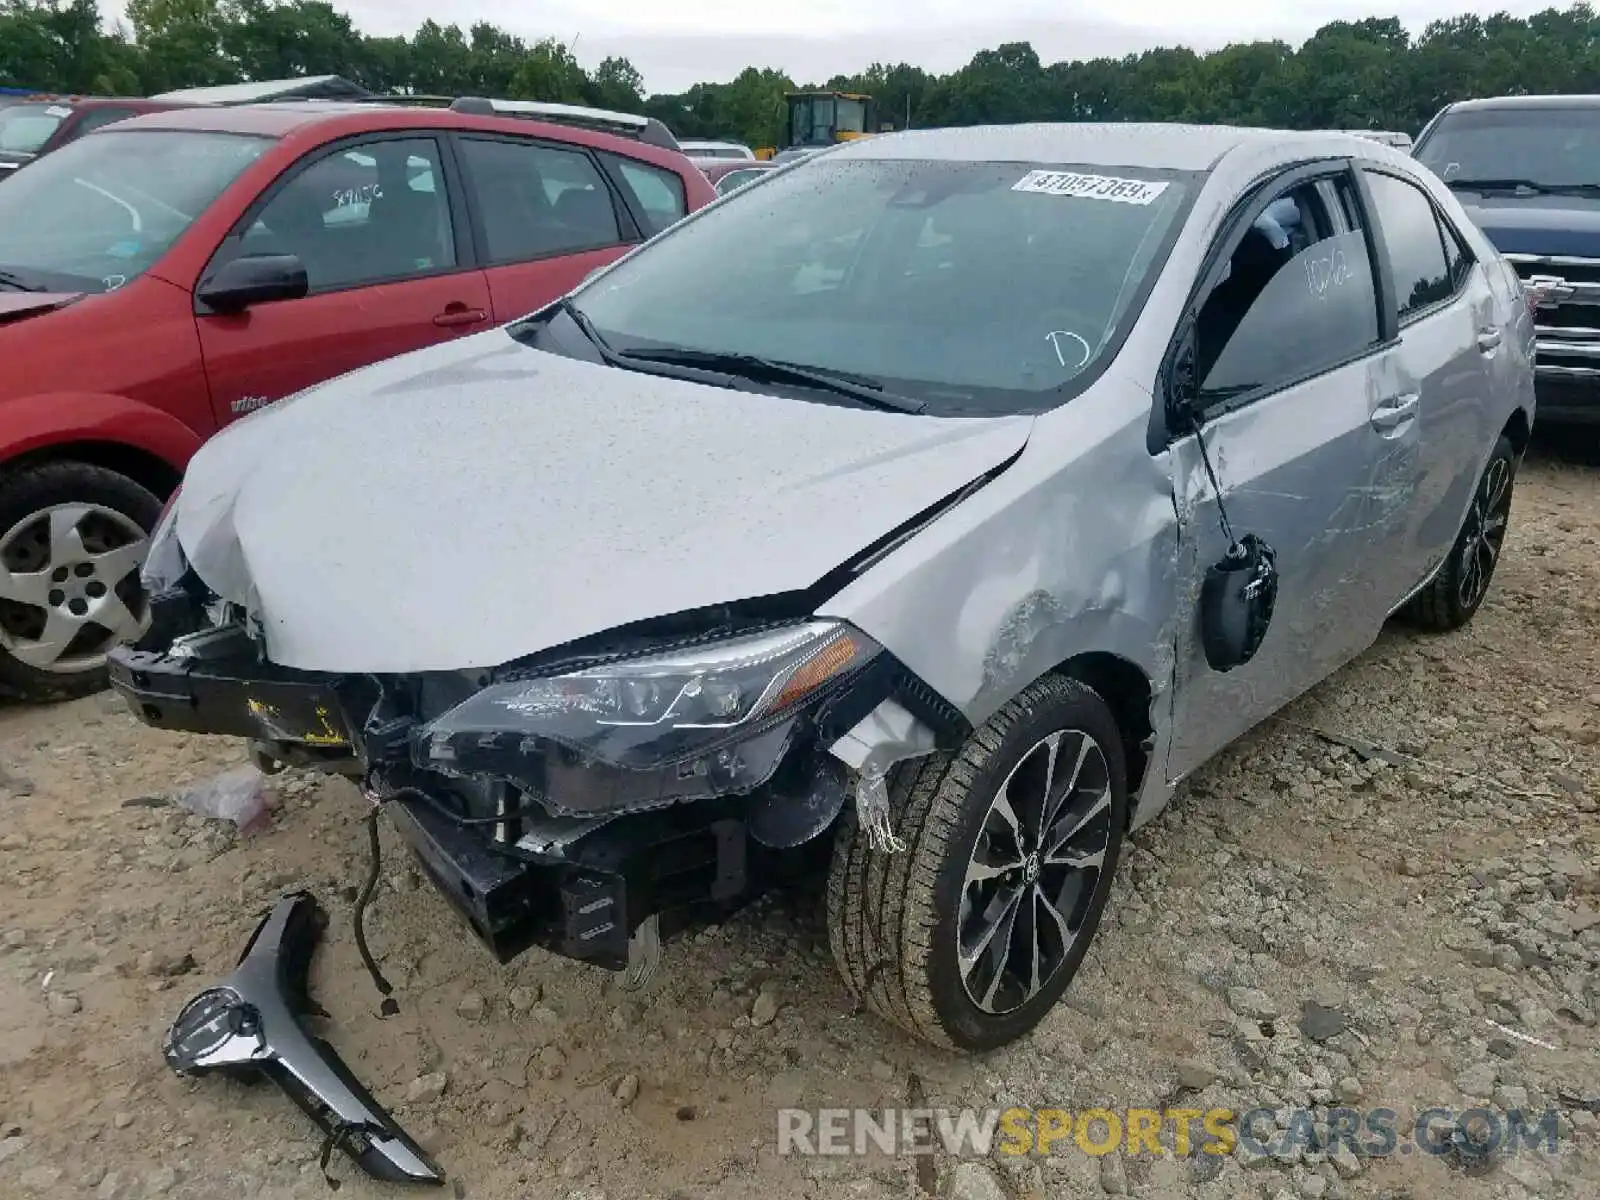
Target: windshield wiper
{"x":752,"y":366}
{"x":1497,"y":185}
{"x":748,"y":366}
{"x":1571,"y":189}
{"x":18,"y":284}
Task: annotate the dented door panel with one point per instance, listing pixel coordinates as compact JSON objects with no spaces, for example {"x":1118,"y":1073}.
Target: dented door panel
{"x":1303,"y":469}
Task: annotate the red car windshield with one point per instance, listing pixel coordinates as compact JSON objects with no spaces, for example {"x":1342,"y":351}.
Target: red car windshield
{"x":101,"y":210}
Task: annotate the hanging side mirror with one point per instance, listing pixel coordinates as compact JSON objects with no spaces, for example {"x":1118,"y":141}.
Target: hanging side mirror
{"x":1237,"y":601}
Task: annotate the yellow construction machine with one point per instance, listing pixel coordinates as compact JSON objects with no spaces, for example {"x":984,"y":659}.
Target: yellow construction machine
{"x":815,"y":120}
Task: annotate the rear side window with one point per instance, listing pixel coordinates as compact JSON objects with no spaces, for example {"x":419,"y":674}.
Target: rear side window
{"x":659,"y":192}
{"x":537,"y":201}
{"x":1456,"y":253}
{"x":1414,"y":242}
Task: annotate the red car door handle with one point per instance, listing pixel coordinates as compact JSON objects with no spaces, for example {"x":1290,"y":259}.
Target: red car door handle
{"x":460,"y":314}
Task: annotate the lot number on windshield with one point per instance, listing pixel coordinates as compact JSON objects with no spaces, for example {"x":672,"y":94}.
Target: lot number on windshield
{"x":1089,"y":187}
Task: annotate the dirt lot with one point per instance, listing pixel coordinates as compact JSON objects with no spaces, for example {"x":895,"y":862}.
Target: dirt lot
{"x":1439,"y":895}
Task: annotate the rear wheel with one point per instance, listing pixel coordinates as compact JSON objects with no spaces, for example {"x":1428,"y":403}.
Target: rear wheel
{"x":1457,"y":591}
{"x":72,"y":538}
{"x":970,"y":936}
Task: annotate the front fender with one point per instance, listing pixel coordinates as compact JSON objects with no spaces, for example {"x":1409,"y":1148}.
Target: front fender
{"x":40,"y":421}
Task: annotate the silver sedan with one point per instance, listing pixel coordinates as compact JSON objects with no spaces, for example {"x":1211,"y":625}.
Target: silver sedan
{"x":1015,"y":473}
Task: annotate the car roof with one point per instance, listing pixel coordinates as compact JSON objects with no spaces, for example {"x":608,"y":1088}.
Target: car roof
{"x":1113,"y":143}
{"x":140,"y":102}
{"x":717,"y":143}
{"x":340,"y":118}
{"x":264,"y":89}
{"x":1550,"y":101}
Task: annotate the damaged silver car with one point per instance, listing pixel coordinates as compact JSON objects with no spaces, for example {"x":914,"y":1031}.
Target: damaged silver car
{"x":1015,"y":473}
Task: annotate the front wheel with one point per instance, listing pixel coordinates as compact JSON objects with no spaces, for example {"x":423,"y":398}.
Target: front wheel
{"x":970,"y":936}
{"x":1456,"y":593}
{"x":72,"y":538}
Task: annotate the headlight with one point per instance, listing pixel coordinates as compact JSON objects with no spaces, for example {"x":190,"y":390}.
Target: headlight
{"x":164,"y":563}
{"x":709,"y":719}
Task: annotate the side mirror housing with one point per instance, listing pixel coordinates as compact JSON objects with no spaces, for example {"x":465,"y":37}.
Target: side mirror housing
{"x":253,"y":279}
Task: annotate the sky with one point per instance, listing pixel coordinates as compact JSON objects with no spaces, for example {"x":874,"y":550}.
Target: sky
{"x":684,"y":42}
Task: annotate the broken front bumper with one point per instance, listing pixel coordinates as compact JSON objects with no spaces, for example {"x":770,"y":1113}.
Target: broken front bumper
{"x":250,"y":1023}
{"x":578,"y":887}
{"x":533,"y":842}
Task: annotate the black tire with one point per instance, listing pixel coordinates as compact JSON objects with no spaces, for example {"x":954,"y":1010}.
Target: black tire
{"x":33,"y":490}
{"x":894,"y":919}
{"x":1451,"y":599}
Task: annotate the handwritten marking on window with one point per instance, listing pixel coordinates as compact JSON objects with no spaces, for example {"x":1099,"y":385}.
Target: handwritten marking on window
{"x":1325,"y":272}
{"x":1055,"y":337}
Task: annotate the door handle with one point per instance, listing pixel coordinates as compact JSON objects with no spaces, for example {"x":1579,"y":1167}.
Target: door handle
{"x":459,"y":314}
{"x":1489,"y":339}
{"x":1395,"y":411}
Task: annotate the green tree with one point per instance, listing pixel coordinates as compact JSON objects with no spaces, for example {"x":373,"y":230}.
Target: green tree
{"x":616,"y":84}
{"x":180,"y":43}
{"x":1361,"y":73}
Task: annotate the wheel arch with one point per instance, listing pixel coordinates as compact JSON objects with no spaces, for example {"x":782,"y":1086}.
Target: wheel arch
{"x":137,"y":440}
{"x":1518,"y":430}
{"x":149,"y":471}
{"x":1128,"y":692}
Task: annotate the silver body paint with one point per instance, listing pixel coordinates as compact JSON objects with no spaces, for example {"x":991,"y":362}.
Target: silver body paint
{"x":479,"y":501}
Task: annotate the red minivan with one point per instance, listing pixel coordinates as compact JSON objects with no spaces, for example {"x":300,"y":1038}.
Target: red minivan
{"x":165,"y":275}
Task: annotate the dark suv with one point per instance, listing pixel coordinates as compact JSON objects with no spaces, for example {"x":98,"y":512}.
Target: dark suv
{"x":1527,"y":168}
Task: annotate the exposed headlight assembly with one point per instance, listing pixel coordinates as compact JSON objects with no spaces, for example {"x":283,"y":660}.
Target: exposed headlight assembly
{"x":705,"y":720}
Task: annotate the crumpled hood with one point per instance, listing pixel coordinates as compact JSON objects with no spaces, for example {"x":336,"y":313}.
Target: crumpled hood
{"x":469,"y":504}
{"x":1556,"y":225}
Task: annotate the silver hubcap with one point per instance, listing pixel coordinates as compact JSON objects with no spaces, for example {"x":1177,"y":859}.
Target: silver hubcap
{"x":1033,"y":871}
{"x":1485,"y":533}
{"x":69,"y":587}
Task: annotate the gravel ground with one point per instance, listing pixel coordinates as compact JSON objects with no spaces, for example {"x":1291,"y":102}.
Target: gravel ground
{"x":1387,"y":897}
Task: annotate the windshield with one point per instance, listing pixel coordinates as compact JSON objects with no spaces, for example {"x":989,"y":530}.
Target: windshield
{"x":851,"y":116}
{"x":974,"y":287}
{"x":101,"y":210}
{"x":811,"y":122}
{"x":1550,"y":147}
{"x":26,"y":127}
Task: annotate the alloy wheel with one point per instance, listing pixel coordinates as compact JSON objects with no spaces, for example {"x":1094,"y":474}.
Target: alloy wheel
{"x":1033,"y":871}
{"x":69,"y":587}
{"x":1485,"y":533}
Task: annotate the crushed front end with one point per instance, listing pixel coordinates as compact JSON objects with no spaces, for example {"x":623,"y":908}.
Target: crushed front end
{"x":567,"y":799}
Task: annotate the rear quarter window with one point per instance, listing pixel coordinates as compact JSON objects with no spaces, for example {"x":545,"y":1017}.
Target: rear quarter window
{"x":657,"y":192}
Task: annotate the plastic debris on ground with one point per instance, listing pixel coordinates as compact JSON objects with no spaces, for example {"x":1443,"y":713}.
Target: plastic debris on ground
{"x":238,"y":795}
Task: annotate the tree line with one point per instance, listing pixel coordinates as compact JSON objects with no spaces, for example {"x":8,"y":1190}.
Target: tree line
{"x":1368,"y":74}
